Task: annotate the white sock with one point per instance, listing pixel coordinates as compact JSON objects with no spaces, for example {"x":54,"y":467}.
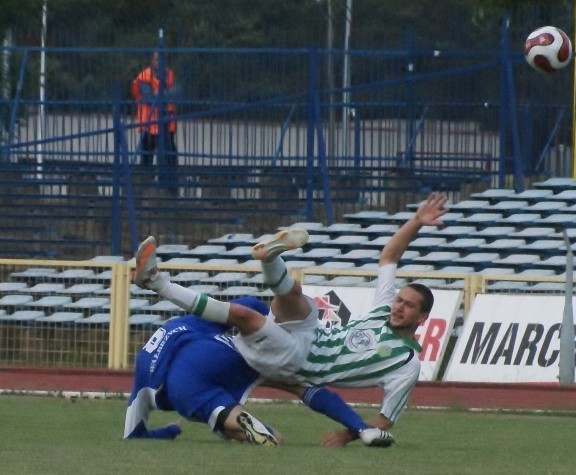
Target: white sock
{"x":199,"y":304}
{"x":275,"y":275}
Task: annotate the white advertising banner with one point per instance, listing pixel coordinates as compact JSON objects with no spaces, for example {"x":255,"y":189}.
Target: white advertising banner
{"x":509,"y":339}
{"x":339,"y":304}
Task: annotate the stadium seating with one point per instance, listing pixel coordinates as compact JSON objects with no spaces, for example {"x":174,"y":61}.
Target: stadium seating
{"x":338,"y":229}
{"x":242,"y":253}
{"x":169,"y":251}
{"x":543,"y":247}
{"x":531,"y":195}
{"x":507,"y":207}
{"x":496,"y":271}
{"x":456,"y":269}
{"x":107,"y":258}
{"x":558,"y":220}
{"x":360,"y":256}
{"x":16,"y":299}
{"x":337,"y":265}
{"x":221,"y":261}
{"x":88,"y":304}
{"x":347,"y":281}
{"x":60,"y":318}
{"x":478,"y":260}
{"x":450,"y":232}
{"x":508,"y":285}
{"x":235,"y":291}
{"x":531,"y":234}
{"x":46,"y":288}
{"x":545,"y":208}
{"x":492,"y":233}
{"x":187,"y":278}
{"x":183,"y":260}
{"x":319,"y":254}
{"x":437,"y":258}
{"x":493,"y":194}
{"x":413,"y":267}
{"x":7,"y":287}
{"x":376,"y":230}
{"x":556,"y":184}
{"x":99,"y":319}
{"x":233,"y":240}
{"x":518,"y":262}
{"x":225,"y":278}
{"x":23,"y":316}
{"x":568,"y":196}
{"x":49,"y":303}
{"x":144,"y":319}
{"x":71,"y":275}
{"x":368,"y":217}
{"x":205,"y":252}
{"x":502,"y":245}
{"x":428,"y":244}
{"x":81,"y":289}
{"x":466,"y":245}
{"x":481,"y":219}
{"x":346,"y":242}
{"x":33,"y":275}
{"x":469,"y":206}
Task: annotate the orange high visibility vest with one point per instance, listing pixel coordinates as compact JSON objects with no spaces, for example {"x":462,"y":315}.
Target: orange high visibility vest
{"x":146,"y":111}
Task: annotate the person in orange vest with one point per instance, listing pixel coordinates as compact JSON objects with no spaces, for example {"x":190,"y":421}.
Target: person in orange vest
{"x":146,"y":88}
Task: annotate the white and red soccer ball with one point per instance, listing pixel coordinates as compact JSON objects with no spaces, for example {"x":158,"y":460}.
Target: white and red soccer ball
{"x":548,"y":49}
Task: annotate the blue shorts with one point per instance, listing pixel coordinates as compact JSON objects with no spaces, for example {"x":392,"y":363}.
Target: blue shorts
{"x":204,"y":378}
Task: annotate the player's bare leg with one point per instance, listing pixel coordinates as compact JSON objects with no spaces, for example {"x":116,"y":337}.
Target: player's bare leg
{"x":288,"y":303}
{"x":148,"y":276}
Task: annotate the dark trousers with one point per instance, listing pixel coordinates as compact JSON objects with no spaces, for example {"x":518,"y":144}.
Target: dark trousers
{"x":168,"y":166}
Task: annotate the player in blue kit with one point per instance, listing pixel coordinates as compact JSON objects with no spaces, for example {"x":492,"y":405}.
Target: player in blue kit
{"x":192,"y":367}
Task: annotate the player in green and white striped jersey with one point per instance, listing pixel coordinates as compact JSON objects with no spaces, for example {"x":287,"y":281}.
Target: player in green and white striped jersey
{"x":288,"y":344}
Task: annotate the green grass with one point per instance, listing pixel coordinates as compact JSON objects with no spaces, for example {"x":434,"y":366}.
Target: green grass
{"x":43,"y":435}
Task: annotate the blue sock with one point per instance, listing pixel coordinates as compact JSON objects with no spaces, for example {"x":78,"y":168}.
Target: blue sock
{"x":332,"y":405}
{"x":171,"y":431}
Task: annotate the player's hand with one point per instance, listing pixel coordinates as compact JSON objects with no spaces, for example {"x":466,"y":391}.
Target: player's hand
{"x":432,"y":209}
{"x":336,"y":439}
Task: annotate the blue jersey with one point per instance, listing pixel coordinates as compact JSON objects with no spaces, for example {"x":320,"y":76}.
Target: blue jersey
{"x":175,"y":371}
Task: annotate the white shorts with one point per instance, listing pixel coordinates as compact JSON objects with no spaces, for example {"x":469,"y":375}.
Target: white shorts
{"x":278,"y":350}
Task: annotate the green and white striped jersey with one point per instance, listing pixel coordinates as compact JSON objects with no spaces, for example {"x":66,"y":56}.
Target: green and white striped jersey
{"x":359,"y":354}
{"x":366,"y":352}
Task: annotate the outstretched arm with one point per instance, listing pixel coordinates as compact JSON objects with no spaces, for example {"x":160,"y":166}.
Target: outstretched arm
{"x":427,"y":214}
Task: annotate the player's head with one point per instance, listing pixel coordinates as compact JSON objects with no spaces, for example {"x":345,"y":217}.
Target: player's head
{"x":426,"y":294}
{"x":411,"y":307}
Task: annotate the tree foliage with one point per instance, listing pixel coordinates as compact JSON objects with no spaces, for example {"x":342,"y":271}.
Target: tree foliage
{"x":272,"y":23}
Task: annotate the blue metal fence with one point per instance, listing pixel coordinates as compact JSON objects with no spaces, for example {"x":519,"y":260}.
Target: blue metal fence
{"x":263,"y":139}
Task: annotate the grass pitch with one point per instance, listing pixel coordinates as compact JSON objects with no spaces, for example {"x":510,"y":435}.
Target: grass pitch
{"x":44,"y":435}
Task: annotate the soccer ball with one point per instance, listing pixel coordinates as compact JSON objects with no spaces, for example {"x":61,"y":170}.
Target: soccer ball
{"x":548,"y":49}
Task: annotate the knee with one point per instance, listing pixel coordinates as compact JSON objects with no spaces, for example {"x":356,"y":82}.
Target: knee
{"x":245,"y":319}
{"x":295,"y":291}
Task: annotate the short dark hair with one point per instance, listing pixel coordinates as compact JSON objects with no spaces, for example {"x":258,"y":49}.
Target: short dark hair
{"x":426,"y":294}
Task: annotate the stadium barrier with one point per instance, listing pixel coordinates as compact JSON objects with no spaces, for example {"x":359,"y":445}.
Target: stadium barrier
{"x":87,"y":314}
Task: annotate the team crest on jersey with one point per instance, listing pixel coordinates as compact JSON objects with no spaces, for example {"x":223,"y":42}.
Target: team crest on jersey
{"x":360,"y":340}
{"x":332,"y":311}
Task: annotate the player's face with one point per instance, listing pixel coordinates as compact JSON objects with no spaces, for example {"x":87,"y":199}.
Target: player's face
{"x":406,"y":311}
